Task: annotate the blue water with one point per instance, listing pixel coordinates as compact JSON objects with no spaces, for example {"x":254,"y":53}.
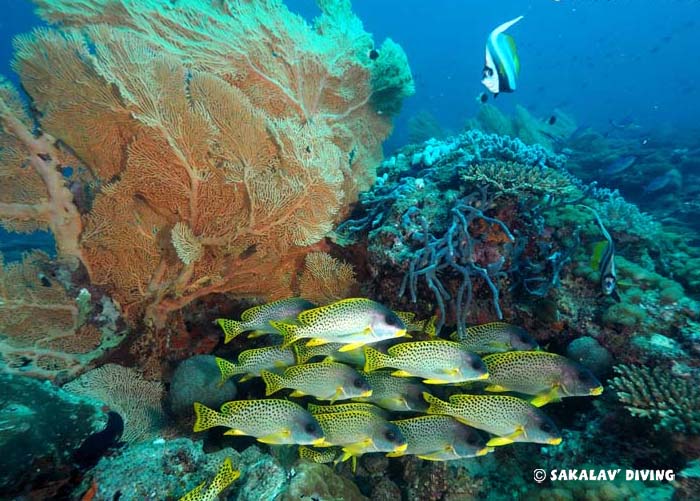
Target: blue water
{"x":599,"y":61}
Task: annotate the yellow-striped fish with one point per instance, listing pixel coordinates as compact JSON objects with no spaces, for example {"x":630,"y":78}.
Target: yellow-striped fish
{"x":548,"y":376}
{"x":502,"y":65}
{"x":253,"y":362}
{"x":224,"y":477}
{"x":271,"y":421}
{"x":436,"y":361}
{"x":426,"y":326}
{"x":440,"y":438}
{"x":325,"y":381}
{"x":353,"y":322}
{"x":510,"y":419}
{"x":495,"y":337}
{"x":258,"y":318}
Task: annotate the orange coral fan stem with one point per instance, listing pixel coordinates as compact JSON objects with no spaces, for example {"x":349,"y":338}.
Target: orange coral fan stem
{"x":60,"y":212}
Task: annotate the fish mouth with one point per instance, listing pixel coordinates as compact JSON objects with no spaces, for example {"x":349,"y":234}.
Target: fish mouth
{"x":321,"y":442}
{"x":554,"y":441}
{"x":367,"y":393}
{"x":401,"y":448}
{"x":401,"y":332}
{"x":483,"y":376}
{"x":596,"y":391}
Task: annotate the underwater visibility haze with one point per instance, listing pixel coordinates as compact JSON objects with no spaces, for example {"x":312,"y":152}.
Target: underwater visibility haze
{"x":286,"y":250}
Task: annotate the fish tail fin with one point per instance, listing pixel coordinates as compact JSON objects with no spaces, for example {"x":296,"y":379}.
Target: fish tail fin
{"x":231,"y":328}
{"x":431,"y":326}
{"x":224,"y":477}
{"x":303,"y":353}
{"x":436,"y":406}
{"x":227,"y":369}
{"x":205,"y":417}
{"x":288,"y":331}
{"x":374,"y":359}
{"x":273,"y":382}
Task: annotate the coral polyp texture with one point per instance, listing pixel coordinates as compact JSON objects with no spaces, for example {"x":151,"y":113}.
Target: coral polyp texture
{"x":179,"y":150}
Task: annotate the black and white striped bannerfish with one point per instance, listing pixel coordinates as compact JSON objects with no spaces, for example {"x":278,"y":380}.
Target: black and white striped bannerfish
{"x":606,"y":266}
{"x":502,"y":65}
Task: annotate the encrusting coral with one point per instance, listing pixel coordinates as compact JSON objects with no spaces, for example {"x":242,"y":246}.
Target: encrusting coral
{"x":180,"y":150}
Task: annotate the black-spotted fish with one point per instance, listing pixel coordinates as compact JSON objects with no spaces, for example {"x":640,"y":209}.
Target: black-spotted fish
{"x":353,"y":322}
{"x":253,"y":362}
{"x":271,"y":421}
{"x":547,"y":376}
{"x":495,"y":337}
{"x":322,"y":456}
{"x":440,"y":438}
{"x":502,"y":66}
{"x":352,"y":406}
{"x":426,"y":326}
{"x":324,"y":380}
{"x":330,"y":352}
{"x":360,"y":432}
{"x":511,"y":419}
{"x":224,"y":477}
{"x":436,"y":361}
{"x":395,"y":393}
{"x":257,"y":318}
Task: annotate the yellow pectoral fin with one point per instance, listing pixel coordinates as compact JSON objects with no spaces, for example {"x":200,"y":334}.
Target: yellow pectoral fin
{"x":367,"y":330}
{"x":338,"y":393}
{"x":317,"y":342}
{"x":297,"y":393}
{"x":496,"y":345}
{"x":235,"y":432}
{"x":255,"y":334}
{"x":281,"y":437}
{"x":357,"y":449}
{"x":395,"y":454}
{"x":496,"y":387}
{"x":247,"y":377}
{"x":434,"y":381}
{"x":447,"y":452}
{"x":401,"y":374}
{"x":508,"y":439}
{"x":351,"y":346}
{"x":545,"y":398}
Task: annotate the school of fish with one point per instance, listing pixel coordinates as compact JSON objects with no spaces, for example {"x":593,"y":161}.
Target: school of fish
{"x":357,"y":352}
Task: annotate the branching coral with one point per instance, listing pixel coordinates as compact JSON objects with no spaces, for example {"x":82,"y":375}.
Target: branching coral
{"x":671,"y":402}
{"x":213,"y":143}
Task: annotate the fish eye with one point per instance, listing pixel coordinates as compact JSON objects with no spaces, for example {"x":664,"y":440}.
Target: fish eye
{"x":311,"y":428}
{"x":487,"y":72}
{"x":358,"y":382}
{"x":472,"y":440}
{"x":390,"y":436}
{"x":392,"y":320}
{"x":546,"y":427}
{"x":478,"y":365}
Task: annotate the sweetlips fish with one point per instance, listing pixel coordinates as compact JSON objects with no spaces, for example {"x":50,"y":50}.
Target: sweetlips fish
{"x":257,"y":318}
{"x":427,"y":326}
{"x":224,"y":477}
{"x":436,"y":361}
{"x":502,"y":65}
{"x":511,"y":419}
{"x":253,"y":362}
{"x":324,"y":380}
{"x":495,"y":337}
{"x":353,"y":406}
{"x":548,"y":376}
{"x":394,"y":393}
{"x":271,"y":421}
{"x":360,"y":432}
{"x":440,"y":438}
{"x":323,"y":456}
{"x":353,"y":322}
{"x":329,"y":352}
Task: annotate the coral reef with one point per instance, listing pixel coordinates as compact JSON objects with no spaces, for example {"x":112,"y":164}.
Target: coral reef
{"x":123,"y":389}
{"x":42,"y":429}
{"x":49,"y":328}
{"x":201,"y":153}
{"x":671,"y":402}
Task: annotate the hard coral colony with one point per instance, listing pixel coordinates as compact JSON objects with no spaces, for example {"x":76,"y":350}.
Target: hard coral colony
{"x":409,"y":327}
